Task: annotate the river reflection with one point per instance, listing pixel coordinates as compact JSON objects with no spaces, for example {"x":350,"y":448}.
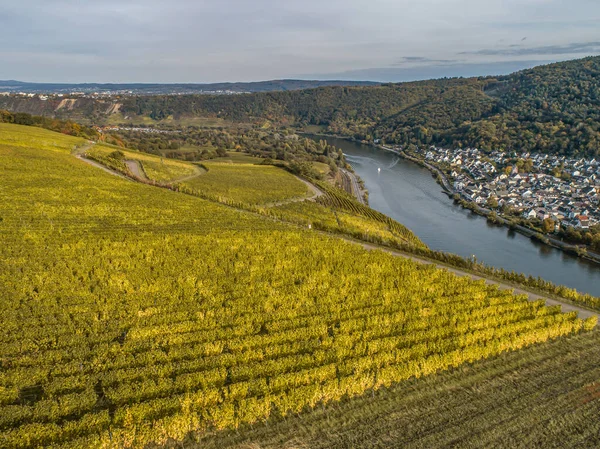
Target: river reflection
{"x":407,"y":192}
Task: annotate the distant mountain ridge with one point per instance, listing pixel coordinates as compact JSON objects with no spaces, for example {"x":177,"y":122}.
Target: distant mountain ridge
{"x":176,"y":88}
{"x":553,"y":108}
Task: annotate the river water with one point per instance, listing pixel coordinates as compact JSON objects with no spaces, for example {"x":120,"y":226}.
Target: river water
{"x":408,"y":193}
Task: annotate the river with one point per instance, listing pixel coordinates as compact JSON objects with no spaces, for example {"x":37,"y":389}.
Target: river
{"x":408,"y":193}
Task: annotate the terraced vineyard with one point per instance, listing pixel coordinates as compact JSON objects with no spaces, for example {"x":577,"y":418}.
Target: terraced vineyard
{"x":330,"y":219}
{"x":339,"y":200}
{"x":247,"y":183}
{"x":133,"y":314}
{"x":544,"y":396}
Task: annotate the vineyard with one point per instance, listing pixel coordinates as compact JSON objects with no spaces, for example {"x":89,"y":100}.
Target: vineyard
{"x":133,"y":314}
{"x":342,"y":222}
{"x":339,"y":200}
{"x":540,"y":397}
{"x":247,"y":183}
{"x":155,"y":168}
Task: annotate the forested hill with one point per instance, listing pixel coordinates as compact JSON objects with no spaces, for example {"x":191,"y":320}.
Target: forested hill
{"x":553,"y":108}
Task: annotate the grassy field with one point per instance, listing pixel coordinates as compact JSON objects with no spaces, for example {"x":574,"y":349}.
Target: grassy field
{"x":321,"y":168}
{"x":247,"y":183}
{"x":231,"y":184}
{"x":547,"y":396}
{"x":236,"y":157}
{"x":133,"y":314}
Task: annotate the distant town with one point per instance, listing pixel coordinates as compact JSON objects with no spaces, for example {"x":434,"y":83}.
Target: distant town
{"x":538,"y":186}
{"x":89,"y":93}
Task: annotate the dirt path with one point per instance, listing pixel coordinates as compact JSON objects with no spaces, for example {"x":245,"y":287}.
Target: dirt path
{"x":80,"y":154}
{"x":78,"y":151}
{"x":136,"y":169}
{"x":101,"y":167}
{"x":199,"y":171}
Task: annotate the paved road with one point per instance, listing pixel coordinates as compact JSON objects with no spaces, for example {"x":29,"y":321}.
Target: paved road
{"x":356,"y":190}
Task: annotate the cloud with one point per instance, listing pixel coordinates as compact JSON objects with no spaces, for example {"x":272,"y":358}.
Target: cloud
{"x":420,"y":60}
{"x":241,"y":40}
{"x":403,"y":74}
{"x":548,"y":50}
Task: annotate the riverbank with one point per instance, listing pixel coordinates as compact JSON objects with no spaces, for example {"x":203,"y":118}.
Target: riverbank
{"x":359,"y":193}
{"x":355,"y":185}
{"x":581,"y":252}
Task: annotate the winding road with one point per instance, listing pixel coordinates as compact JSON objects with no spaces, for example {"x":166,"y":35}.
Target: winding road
{"x":136,"y":169}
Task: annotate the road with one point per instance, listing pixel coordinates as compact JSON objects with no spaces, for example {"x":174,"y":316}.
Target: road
{"x":136,"y":169}
{"x":101,"y":167}
{"x":356,"y":190}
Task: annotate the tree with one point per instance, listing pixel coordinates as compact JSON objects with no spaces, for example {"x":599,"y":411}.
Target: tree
{"x":117,"y":155}
{"x":548,"y":225}
{"x":492,"y":202}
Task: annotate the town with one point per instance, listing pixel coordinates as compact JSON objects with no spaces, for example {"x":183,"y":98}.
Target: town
{"x":537,"y":186}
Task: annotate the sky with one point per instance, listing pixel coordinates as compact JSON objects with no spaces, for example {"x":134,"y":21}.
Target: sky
{"x":249,"y":40}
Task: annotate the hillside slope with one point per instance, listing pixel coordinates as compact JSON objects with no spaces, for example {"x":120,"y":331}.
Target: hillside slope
{"x":553,"y":108}
{"x":133,"y":314}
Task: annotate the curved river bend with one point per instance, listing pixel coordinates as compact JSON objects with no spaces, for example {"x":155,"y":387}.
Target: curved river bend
{"x":408,"y":193}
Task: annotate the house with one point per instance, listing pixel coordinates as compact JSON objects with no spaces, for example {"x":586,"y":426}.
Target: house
{"x":589,"y":192}
{"x":480,"y":199}
{"x":529,"y":214}
{"x":459,"y":185}
{"x":542,"y":214}
{"x":582,"y":222}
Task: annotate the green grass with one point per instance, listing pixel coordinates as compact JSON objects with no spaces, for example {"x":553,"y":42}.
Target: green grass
{"x":247,"y":183}
{"x":322,"y":168}
{"x":236,"y":157}
{"x":205,"y":122}
{"x":187,"y":149}
{"x":132,"y":314}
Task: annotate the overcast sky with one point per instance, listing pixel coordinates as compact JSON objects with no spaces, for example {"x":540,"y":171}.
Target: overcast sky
{"x":247,"y":40}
